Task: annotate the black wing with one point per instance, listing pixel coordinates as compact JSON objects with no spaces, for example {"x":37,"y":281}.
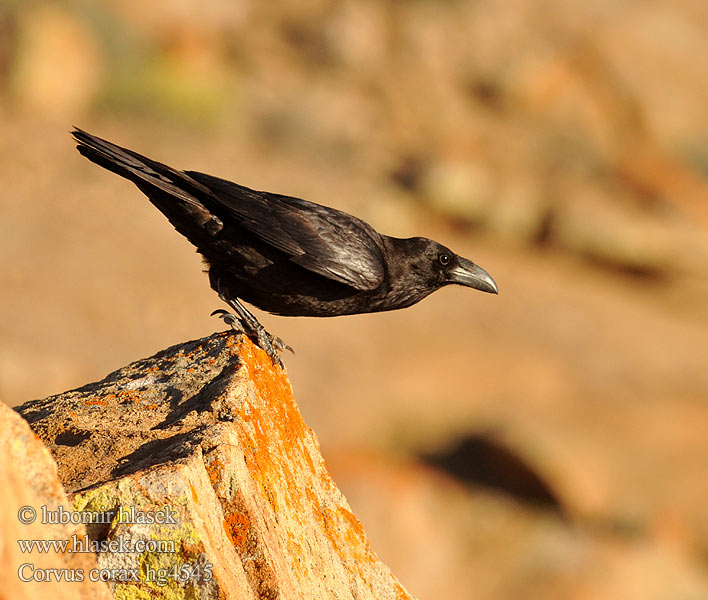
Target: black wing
{"x":323,"y":240}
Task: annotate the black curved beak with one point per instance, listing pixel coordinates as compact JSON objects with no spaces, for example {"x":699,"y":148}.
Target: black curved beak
{"x":469,"y":274}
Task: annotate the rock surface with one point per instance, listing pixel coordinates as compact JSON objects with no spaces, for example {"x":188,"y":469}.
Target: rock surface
{"x":206,"y":437}
{"x":28,"y":478}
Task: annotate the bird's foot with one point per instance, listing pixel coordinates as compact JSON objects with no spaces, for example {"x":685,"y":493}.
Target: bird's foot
{"x":270,"y":344}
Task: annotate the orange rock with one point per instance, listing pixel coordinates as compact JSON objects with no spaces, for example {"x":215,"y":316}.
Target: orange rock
{"x":224,"y":452}
{"x":28,"y":477}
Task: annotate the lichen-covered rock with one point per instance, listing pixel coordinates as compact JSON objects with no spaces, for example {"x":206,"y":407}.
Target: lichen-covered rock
{"x":31,"y":496}
{"x":206,"y":438}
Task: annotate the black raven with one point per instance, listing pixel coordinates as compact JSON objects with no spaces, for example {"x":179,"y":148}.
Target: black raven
{"x":285,"y":255}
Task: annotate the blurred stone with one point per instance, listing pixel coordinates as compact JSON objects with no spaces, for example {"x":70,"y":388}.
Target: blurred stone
{"x":658,"y":178}
{"x":358,"y":33}
{"x":28,"y":478}
{"x":464,"y":191}
{"x":166,"y":16}
{"x":58,"y":66}
{"x":520,"y":212}
{"x":183,"y":75}
{"x":606,"y":230}
{"x":469,"y":539}
{"x":482,"y":459}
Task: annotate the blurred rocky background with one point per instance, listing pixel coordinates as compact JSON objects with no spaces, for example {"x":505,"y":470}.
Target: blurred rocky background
{"x":551,"y":442}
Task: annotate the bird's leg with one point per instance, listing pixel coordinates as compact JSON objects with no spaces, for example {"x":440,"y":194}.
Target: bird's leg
{"x":245,"y":322}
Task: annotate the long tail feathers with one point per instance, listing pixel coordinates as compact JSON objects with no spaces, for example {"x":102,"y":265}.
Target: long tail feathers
{"x":173,"y":192}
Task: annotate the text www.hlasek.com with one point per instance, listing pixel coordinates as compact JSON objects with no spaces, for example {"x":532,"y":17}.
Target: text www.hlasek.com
{"x":82,"y":544}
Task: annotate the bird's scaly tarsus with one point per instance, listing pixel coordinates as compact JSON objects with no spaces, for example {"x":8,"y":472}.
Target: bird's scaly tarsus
{"x":244,"y":322}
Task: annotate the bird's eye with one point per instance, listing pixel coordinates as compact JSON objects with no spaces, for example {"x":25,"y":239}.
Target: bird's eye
{"x":444,"y":259}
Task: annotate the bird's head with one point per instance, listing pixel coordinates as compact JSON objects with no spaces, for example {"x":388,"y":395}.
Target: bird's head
{"x":437,"y":266}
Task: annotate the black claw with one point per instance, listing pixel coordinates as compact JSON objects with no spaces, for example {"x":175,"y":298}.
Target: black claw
{"x":281,"y":346}
{"x":230,"y":319}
